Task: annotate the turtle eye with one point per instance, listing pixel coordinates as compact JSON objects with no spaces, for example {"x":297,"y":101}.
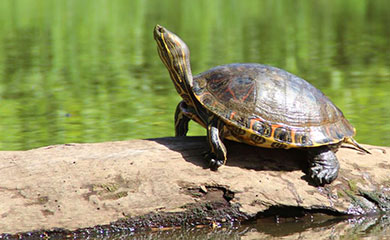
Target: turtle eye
{"x":160,"y":29}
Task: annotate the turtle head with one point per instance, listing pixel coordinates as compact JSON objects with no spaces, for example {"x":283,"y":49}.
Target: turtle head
{"x":175,"y":55}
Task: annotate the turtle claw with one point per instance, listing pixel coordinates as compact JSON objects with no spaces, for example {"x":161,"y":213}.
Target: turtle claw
{"x":324,"y":167}
{"x":214,"y":164}
{"x":322,"y":175}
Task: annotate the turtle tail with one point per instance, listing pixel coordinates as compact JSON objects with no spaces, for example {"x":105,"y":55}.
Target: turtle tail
{"x":353,"y":142}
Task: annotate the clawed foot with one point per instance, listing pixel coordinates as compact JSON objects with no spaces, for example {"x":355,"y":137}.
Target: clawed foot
{"x":214,"y":164}
{"x":322,"y":175}
{"x":324,"y":167}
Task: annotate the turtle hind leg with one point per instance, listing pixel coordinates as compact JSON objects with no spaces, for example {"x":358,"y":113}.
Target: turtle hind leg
{"x":324,"y":166}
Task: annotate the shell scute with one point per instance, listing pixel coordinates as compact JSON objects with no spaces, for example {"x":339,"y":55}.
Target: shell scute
{"x":278,"y":145}
{"x":282,"y":134}
{"x":257,"y":139}
{"x":261,"y":127}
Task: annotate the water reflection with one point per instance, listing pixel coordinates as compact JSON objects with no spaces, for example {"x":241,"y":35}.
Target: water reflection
{"x":310,"y":227}
{"x":88,"y":71}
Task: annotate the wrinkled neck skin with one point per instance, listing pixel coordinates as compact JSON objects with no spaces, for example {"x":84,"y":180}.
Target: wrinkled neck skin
{"x":181,"y":76}
{"x":175,"y":55}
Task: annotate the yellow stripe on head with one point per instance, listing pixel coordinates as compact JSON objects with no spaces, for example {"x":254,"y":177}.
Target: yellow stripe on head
{"x":170,"y":56}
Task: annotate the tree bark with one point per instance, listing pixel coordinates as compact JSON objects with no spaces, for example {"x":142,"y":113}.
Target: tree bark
{"x":165,"y":183}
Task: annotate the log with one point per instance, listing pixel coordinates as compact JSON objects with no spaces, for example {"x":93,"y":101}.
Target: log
{"x":146,"y":184}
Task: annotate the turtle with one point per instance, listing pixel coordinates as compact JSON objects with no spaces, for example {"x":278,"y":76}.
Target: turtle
{"x":256,"y":104}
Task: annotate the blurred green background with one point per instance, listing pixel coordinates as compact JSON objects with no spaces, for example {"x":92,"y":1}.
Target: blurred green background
{"x":88,"y":71}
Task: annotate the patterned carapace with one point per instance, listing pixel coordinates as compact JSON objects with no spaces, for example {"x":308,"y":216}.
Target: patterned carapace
{"x":269,"y":107}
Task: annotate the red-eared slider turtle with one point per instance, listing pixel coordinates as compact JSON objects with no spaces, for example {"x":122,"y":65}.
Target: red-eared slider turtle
{"x":258,"y":105}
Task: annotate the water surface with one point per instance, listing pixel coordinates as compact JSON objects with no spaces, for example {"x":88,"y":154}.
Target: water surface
{"x":88,"y":71}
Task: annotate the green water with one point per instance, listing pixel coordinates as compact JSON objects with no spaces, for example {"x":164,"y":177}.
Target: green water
{"x":88,"y":70}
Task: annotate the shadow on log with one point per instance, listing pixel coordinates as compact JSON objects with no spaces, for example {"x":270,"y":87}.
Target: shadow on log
{"x":128,"y":186}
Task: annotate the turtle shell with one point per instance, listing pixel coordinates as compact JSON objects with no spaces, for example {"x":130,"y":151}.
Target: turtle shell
{"x":266,"y":106}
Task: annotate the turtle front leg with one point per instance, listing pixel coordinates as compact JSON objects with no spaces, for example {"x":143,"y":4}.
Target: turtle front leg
{"x":324,"y":166}
{"x":218,"y":154}
{"x":181,"y":120}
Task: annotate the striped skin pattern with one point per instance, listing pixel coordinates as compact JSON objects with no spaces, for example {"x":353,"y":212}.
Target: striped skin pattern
{"x":269,"y":107}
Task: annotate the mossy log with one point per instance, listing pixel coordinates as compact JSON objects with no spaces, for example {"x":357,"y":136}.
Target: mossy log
{"x":145,"y":184}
